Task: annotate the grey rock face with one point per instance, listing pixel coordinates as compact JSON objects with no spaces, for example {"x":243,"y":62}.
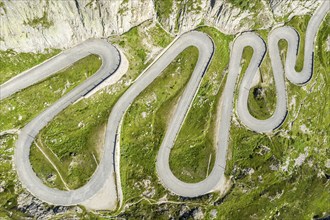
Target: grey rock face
{"x":32,"y":206}
{"x":35,"y":25}
{"x":293,"y":7}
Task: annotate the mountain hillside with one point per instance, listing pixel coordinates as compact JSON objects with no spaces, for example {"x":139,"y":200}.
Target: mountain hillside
{"x":35,"y":25}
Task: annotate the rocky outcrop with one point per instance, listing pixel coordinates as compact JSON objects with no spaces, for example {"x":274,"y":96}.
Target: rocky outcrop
{"x":292,"y":8}
{"x":229,"y":19}
{"x":37,"y":209}
{"x":187,"y":14}
{"x":36,"y":25}
{"x":28,"y":204}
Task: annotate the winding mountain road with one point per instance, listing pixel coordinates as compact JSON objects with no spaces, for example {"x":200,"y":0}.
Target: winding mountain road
{"x":110,"y":62}
{"x":105,"y":172}
{"x":251,"y":39}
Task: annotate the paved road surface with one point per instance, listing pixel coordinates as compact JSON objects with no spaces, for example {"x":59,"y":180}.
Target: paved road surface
{"x":111,"y":60}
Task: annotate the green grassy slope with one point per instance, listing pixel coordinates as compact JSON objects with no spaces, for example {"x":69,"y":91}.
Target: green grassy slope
{"x":193,"y":154}
{"x":81,"y":138}
{"x":283,"y":175}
